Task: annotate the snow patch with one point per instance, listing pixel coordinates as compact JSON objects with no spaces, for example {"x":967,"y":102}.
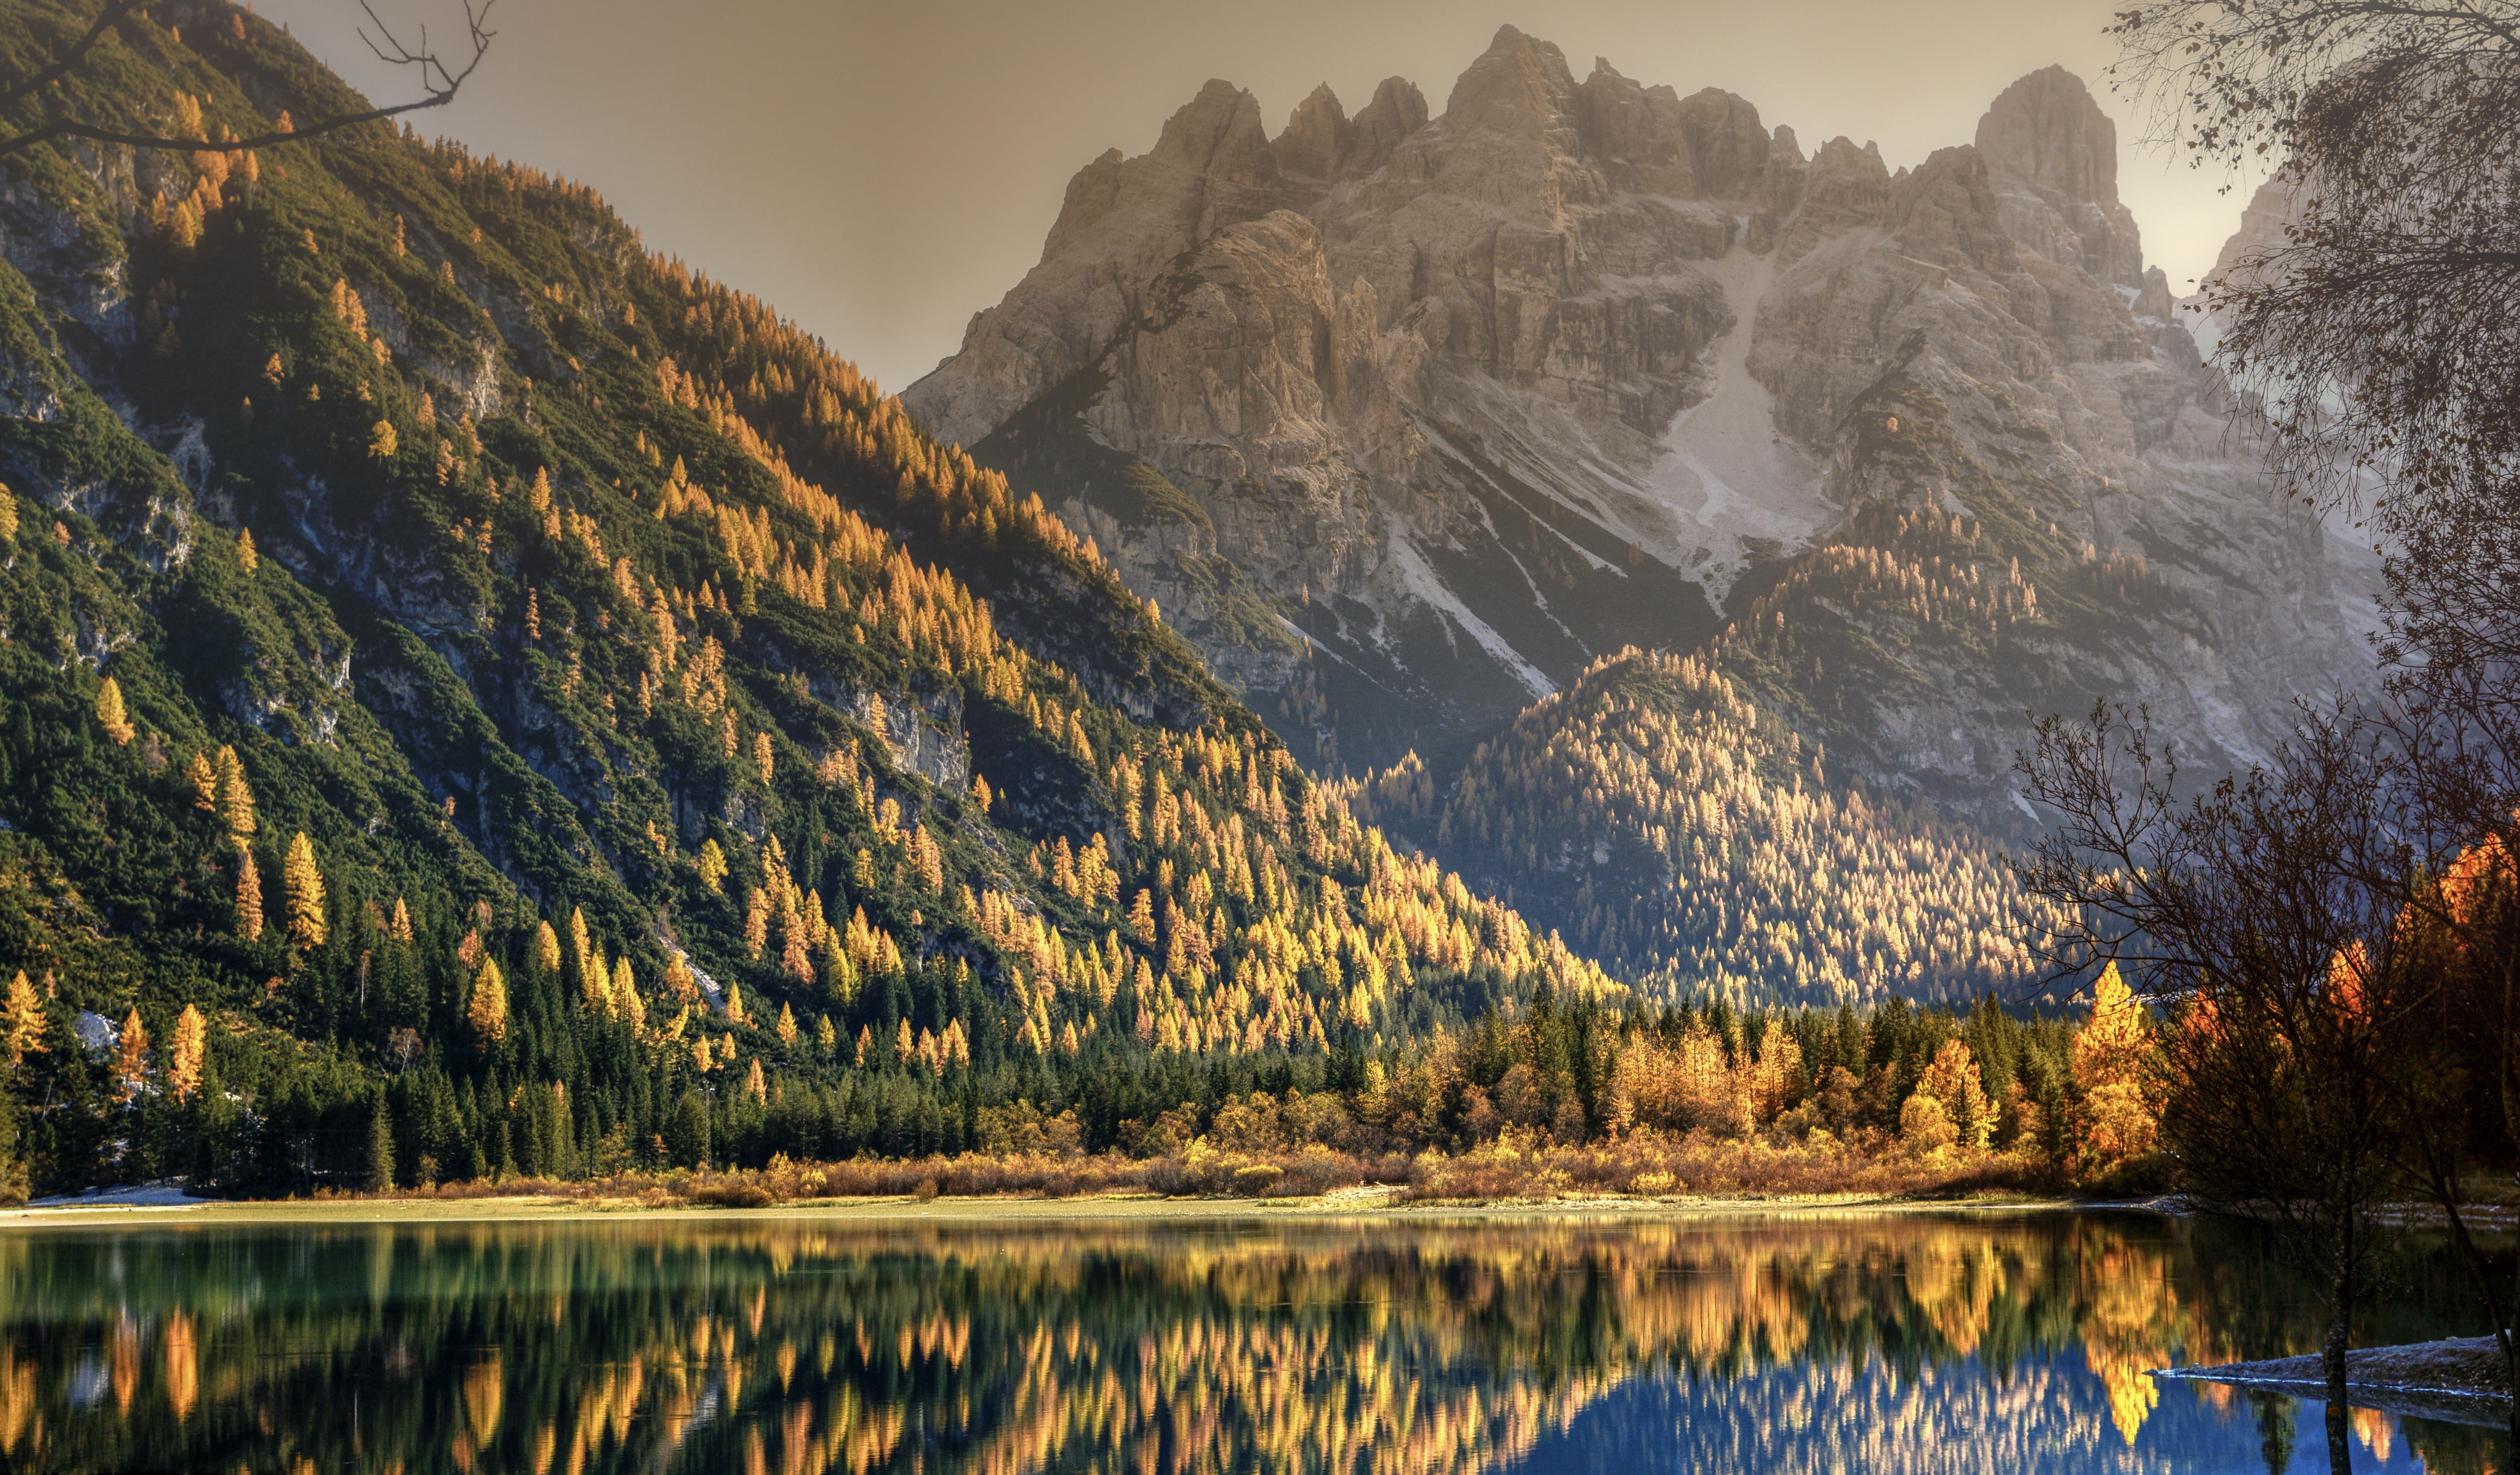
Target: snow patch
{"x":1727,"y":482}
{"x":1421,"y":580}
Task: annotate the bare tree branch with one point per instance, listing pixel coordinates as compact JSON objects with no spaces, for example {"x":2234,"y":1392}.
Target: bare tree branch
{"x":439,"y":81}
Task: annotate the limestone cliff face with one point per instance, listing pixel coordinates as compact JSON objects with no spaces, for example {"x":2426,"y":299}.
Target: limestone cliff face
{"x":1407,"y":418}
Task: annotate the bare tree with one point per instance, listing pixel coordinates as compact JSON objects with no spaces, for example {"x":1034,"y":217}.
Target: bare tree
{"x":2378,"y":348}
{"x":2263,"y":916}
{"x":440,"y":79}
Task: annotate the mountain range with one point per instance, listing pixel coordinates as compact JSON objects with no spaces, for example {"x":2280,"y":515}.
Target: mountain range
{"x":1439,"y":430}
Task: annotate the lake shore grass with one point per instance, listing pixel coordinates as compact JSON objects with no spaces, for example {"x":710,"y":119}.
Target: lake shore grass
{"x":993,"y":1209}
{"x":1692,"y":1175}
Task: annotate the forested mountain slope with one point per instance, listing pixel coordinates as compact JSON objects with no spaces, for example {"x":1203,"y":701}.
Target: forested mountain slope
{"x":467,"y":679}
{"x":1679,"y":831}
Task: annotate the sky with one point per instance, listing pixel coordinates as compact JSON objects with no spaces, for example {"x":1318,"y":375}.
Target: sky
{"x":880,"y":172}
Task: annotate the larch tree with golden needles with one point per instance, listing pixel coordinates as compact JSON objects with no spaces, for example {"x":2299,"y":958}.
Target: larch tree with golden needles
{"x":109,"y":714}
{"x":302,"y":881}
{"x":22,"y":1021}
{"x":205,"y":781}
{"x":131,"y":1057}
{"x":183,"y":1061}
{"x":487,"y":1012}
{"x":248,"y":897}
{"x":234,"y":795}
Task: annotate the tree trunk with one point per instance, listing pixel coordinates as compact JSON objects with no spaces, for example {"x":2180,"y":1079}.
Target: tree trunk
{"x":2340,"y":1447}
{"x":2340,"y":1322}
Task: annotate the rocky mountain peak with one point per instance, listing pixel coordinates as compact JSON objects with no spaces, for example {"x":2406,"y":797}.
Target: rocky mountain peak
{"x":2054,"y":154}
{"x":1316,"y":137}
{"x":1520,"y":88}
{"x":1219,"y":133}
{"x":1398,"y":109}
{"x":2046,"y":129}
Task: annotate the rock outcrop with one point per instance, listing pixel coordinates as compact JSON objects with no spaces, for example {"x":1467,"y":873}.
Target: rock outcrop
{"x":1407,"y":420}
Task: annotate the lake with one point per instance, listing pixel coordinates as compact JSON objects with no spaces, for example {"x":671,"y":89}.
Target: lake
{"x":1823,"y":1343}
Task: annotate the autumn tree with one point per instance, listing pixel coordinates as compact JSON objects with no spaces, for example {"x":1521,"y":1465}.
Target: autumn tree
{"x":488,"y":1012}
{"x":302,"y":883}
{"x":205,"y":781}
{"x":234,"y":795}
{"x":183,"y":1061}
{"x":248,"y":897}
{"x":2111,"y":1066}
{"x":109,"y":715}
{"x":1951,"y":1077}
{"x":22,"y":1021}
{"x":131,"y":1057}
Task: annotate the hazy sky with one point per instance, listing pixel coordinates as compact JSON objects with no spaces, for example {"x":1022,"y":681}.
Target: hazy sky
{"x":880,"y":172}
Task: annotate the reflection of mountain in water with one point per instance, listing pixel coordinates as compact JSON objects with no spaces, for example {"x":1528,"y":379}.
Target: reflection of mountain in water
{"x":1880,"y":1343}
{"x":1958,"y":1417}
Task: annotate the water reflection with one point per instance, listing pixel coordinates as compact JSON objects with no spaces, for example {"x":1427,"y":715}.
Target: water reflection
{"x":1878,"y":1343}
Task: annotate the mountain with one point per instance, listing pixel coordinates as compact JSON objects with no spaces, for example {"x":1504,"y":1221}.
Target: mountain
{"x":472,"y":683}
{"x":1408,"y":419}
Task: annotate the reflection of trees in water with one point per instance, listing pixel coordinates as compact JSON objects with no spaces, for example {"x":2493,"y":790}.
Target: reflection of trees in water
{"x":782,"y":1345}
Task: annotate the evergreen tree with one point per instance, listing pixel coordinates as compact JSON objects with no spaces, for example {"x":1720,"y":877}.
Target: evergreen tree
{"x":380,"y":1176}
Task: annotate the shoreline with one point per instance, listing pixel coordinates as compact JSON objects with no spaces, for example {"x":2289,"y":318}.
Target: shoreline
{"x":1345,"y":1204}
{"x":2457,"y":1379}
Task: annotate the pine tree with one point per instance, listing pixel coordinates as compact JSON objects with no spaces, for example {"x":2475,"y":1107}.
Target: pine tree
{"x":131,"y":1057}
{"x":248,"y":897}
{"x":184,"y":1064}
{"x":762,"y":756}
{"x":246,"y":559}
{"x":399,"y":929}
{"x":753,"y":1085}
{"x":733,"y":1001}
{"x":7,"y":515}
{"x":712,"y":865}
{"x":787,"y":1024}
{"x":382,"y":443}
{"x":380,"y":1155}
{"x":302,"y":883}
{"x":109,"y":714}
{"x":22,"y":1025}
{"x":546,"y":948}
{"x":236,"y":796}
{"x":487,"y":1013}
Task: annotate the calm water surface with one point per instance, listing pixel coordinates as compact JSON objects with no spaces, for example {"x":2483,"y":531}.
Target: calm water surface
{"x":1863,"y":1343}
